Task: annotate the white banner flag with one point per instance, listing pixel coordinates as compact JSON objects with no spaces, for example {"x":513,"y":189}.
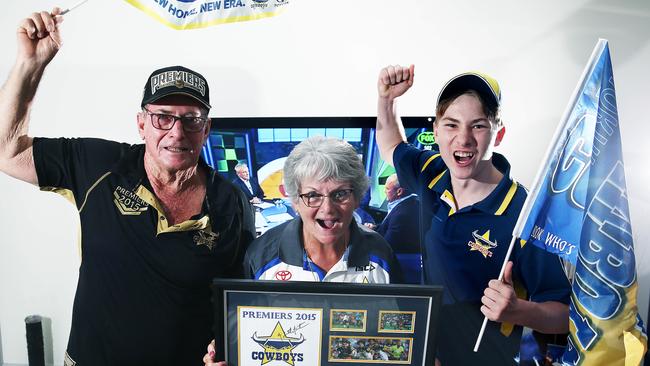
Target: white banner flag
{"x":191,"y":14}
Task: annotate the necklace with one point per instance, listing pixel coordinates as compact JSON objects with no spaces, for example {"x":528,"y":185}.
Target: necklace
{"x":311,"y":269}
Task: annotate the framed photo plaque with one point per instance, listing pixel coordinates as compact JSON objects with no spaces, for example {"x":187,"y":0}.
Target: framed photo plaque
{"x":277,"y":323}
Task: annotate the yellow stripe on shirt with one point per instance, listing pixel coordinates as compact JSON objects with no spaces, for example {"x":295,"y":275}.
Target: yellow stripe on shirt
{"x":507,"y":199}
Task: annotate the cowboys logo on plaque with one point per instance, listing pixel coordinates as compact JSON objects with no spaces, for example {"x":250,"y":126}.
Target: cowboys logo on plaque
{"x":277,"y":336}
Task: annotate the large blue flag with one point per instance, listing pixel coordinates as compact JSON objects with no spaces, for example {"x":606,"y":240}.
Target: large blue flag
{"x":578,"y":209}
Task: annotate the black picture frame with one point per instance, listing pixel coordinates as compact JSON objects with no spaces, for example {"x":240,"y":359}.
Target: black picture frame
{"x":245,"y":311}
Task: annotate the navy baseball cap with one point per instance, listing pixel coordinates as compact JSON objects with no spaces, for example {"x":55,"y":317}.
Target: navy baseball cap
{"x":176,"y":80}
{"x":486,"y":86}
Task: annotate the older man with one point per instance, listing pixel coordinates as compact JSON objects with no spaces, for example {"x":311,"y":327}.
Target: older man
{"x":248,"y":184}
{"x":401,"y":226}
{"x":157,"y":223}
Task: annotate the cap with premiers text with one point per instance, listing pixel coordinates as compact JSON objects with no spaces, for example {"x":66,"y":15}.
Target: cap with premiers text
{"x":176,"y":80}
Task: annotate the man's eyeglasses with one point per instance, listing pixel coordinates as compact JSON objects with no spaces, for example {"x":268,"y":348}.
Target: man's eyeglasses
{"x":315,"y":200}
{"x":166,"y":121}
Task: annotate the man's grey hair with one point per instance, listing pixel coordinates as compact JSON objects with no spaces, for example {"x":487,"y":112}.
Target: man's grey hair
{"x":323,"y":159}
{"x":240,"y":165}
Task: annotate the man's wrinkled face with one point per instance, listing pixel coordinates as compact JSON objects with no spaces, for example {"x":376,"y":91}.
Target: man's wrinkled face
{"x":174,"y":149}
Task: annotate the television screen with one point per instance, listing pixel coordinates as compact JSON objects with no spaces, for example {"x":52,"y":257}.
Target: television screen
{"x":263,"y":144}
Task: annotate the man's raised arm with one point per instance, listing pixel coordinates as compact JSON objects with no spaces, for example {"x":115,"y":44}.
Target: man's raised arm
{"x":38,"y":40}
{"x":393,"y":82}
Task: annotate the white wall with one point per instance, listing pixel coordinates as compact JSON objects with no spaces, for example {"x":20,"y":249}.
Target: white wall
{"x":321,"y":58}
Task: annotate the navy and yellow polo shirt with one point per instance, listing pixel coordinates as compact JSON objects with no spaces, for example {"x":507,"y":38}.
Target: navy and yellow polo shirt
{"x":463,"y":250}
{"x":279,"y":255}
{"x":143,"y":296}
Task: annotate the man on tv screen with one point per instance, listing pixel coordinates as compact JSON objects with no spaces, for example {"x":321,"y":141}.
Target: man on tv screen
{"x":401,"y":226}
{"x":247,"y":184}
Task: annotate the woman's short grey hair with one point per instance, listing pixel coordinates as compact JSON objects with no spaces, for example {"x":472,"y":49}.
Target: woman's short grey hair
{"x":324,"y":158}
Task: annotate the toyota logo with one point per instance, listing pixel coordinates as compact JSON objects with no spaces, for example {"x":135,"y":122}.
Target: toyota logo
{"x":283,"y":275}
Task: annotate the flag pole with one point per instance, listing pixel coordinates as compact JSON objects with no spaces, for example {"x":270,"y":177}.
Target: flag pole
{"x":537,"y":183}
{"x":73,"y":7}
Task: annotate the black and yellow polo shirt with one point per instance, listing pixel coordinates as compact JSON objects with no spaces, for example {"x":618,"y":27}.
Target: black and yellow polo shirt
{"x":463,"y":250}
{"x":143,"y":296}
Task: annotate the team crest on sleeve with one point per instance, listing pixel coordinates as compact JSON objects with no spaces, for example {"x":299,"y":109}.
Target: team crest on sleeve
{"x":128,"y":203}
{"x":482,"y":243}
{"x":279,"y":336}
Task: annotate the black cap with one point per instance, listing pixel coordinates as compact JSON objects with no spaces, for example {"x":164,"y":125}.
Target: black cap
{"x":176,"y":80}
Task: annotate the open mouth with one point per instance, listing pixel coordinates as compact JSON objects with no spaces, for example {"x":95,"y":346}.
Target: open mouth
{"x":463,"y":157}
{"x":177,"y":149}
{"x":327,"y":224}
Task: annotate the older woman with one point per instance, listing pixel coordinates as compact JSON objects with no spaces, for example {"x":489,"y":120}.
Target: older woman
{"x":325,"y":179}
